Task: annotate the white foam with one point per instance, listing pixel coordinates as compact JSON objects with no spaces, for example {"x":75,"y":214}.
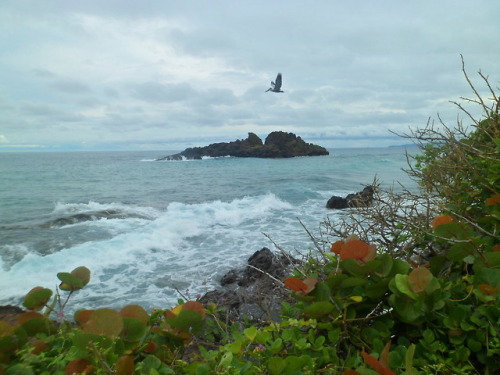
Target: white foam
{"x":183,"y":246}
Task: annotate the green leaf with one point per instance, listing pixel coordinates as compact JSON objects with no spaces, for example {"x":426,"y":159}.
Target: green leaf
{"x":351,"y":267}
{"x":75,"y":280}
{"x":37,"y":298}
{"x":318,"y":309}
{"x":399,"y":267}
{"x":226,"y":360}
{"x":133,"y":330}
{"x":409,"y":359}
{"x":250,"y":333}
{"x":490,"y":276}
{"x":353,"y":281}
{"x":276,"y":365}
{"x":187,"y":321}
{"x":386,"y":263}
{"x":402,"y":284}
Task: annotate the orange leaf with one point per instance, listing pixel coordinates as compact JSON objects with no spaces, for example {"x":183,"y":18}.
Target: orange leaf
{"x":299,"y":286}
{"x":125,"y":365}
{"x":355,"y":249}
{"x":487,"y":289}
{"x":375,"y":363}
{"x":78,"y":366}
{"x":384,"y":356}
{"x":496,"y":248}
{"x":372,"y":253}
{"x":337,"y":247}
{"x":194,"y":306}
{"x":83,"y":316}
{"x":295,"y":284}
{"x":493,"y":200}
{"x":311,"y":284}
{"x":440,"y":220}
{"x":419,"y":279}
{"x":28,"y":315}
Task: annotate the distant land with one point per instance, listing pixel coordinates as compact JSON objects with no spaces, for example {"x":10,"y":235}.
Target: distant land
{"x":405,"y":145}
{"x":278,"y":144}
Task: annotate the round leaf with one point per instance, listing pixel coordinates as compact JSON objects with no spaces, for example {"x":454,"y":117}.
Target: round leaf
{"x":419,"y":279}
{"x":136,"y":312}
{"x":37,"y":298}
{"x":125,"y":365}
{"x":105,"y":322}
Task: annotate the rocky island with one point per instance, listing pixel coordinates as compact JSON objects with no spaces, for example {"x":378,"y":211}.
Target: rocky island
{"x":278,"y":144}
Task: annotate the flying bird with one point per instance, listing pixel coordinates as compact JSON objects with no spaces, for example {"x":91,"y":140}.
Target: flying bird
{"x":276,"y":86}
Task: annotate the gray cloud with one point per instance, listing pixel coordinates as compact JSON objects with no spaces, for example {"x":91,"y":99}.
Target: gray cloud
{"x":122,"y":71}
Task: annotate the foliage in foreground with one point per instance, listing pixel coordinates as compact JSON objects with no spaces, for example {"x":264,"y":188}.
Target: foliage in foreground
{"x":359,"y":309}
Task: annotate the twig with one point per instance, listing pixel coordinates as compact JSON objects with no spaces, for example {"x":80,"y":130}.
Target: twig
{"x":267,"y":274}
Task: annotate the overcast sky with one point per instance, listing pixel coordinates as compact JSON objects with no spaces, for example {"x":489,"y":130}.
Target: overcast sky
{"x":165,"y":75}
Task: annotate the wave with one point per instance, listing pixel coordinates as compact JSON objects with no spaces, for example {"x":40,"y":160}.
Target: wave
{"x":176,"y":248}
{"x":74,"y":213}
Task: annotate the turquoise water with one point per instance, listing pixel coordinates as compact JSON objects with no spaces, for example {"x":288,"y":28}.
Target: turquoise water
{"x":146,"y":228}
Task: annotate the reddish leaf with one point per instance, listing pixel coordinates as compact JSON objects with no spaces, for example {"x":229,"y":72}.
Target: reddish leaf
{"x":372,"y":253}
{"x":295,"y":284}
{"x":151,"y":347}
{"x":28,"y":315}
{"x":496,"y":248}
{"x":337,"y":247}
{"x":375,"y":363}
{"x":355,"y":249}
{"x":493,"y":200}
{"x":299,"y":286}
{"x":194,"y":306}
{"x":136,"y":312}
{"x":487,"y":289}
{"x":39,"y":346}
{"x":77,"y":367}
{"x":419,"y":279}
{"x":83,"y":316}
{"x":440,"y":220}
{"x":106,"y":322}
{"x":125,"y":365}
{"x":384,"y":356}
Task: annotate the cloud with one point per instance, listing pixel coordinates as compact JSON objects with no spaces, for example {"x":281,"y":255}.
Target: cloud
{"x":119,"y":71}
{"x":3,"y":139}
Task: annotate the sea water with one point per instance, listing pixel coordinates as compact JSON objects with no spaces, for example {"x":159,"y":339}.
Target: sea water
{"x":152,"y":231}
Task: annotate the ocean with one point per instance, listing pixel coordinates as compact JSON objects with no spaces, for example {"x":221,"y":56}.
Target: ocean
{"x":148,"y":230}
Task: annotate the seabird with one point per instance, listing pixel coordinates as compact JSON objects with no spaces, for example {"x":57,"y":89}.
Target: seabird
{"x":276,"y":87}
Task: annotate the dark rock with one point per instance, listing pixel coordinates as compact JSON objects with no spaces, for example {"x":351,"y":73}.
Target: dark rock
{"x":229,"y":278}
{"x":277,"y":145}
{"x":252,"y":292}
{"x":362,"y":198}
{"x":336,"y":202}
{"x":9,"y":313}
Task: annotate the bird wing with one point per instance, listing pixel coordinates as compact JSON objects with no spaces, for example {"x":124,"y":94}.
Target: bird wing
{"x":277,"y":85}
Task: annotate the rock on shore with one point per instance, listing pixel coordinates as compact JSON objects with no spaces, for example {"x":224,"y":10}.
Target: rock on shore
{"x":277,"y":145}
{"x":254,"y":292}
{"x":362,"y":198}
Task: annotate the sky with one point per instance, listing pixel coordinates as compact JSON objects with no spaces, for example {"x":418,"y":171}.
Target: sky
{"x":161,"y":74}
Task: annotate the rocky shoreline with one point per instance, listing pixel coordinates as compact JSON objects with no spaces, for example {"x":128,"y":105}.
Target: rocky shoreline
{"x":277,"y":145}
{"x":254,"y":292}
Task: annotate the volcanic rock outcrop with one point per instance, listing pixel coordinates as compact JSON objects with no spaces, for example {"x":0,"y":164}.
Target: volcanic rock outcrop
{"x":362,"y":198}
{"x":277,"y":145}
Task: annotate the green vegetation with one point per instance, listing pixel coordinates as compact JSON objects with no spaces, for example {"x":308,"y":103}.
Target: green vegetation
{"x":420,"y":298}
